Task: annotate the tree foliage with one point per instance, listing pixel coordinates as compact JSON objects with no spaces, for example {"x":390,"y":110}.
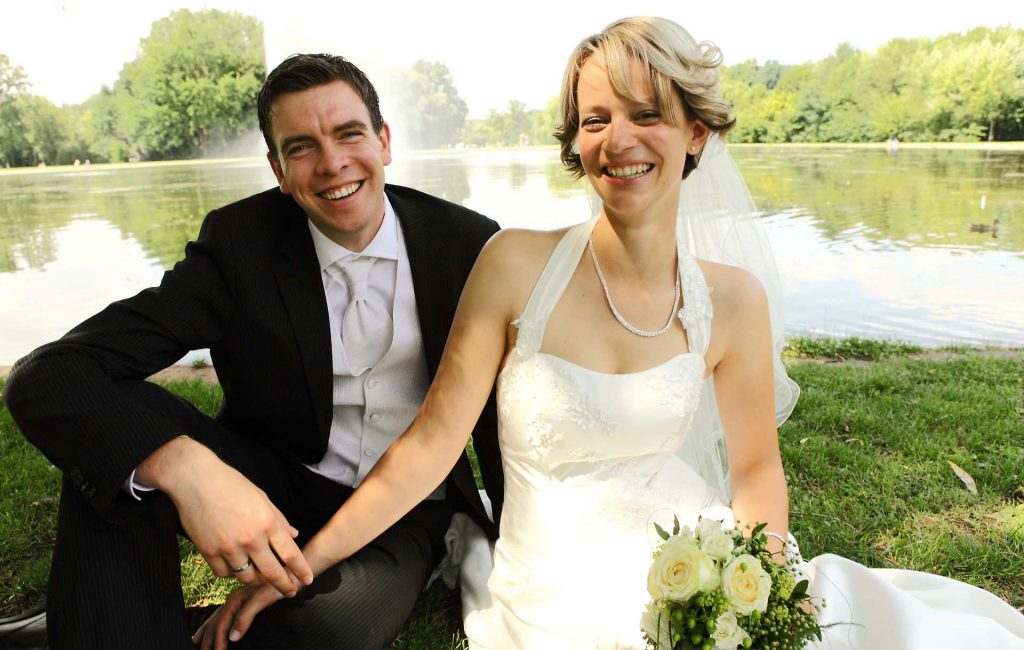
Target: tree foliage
{"x":192,"y":86}
{"x":433,"y":111}
{"x":957,"y":87}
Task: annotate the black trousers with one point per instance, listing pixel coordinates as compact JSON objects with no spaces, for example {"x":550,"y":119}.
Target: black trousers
{"x":116,"y":583}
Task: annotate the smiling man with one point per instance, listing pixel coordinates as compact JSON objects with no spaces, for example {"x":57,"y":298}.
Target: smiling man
{"x":325,"y":303}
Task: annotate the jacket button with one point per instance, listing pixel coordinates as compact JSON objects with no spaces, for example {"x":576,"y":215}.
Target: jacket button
{"x":375,"y":417}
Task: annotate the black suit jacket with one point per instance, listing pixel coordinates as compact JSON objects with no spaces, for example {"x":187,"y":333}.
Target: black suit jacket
{"x":249,"y":288}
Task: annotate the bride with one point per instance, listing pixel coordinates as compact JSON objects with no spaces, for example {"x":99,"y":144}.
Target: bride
{"x":626,"y":361}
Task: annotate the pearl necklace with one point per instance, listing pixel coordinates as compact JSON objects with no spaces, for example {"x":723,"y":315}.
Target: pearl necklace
{"x":622,"y":321}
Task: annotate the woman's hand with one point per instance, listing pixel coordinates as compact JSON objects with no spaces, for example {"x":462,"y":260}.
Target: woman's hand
{"x":232,"y":619}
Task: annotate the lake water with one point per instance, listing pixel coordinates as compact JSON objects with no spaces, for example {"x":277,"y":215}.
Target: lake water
{"x":868,"y":243}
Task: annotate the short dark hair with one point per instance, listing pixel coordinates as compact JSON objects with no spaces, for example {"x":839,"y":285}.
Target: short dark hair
{"x":303,"y":71}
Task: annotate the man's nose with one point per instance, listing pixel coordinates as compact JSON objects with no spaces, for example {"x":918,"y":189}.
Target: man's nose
{"x":333,"y":158}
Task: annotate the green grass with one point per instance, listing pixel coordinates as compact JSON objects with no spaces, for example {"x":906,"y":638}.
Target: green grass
{"x":866,"y":456}
{"x":804,"y":347}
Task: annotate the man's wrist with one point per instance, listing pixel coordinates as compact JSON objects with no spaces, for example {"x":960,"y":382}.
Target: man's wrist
{"x":169,"y":467}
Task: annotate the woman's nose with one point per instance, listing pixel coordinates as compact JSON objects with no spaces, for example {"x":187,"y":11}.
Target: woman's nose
{"x":621,"y":136}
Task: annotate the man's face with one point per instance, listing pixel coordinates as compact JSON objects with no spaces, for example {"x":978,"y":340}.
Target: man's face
{"x":330,"y":160}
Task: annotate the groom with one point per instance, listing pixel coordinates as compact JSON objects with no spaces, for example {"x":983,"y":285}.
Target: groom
{"x":325,"y":304}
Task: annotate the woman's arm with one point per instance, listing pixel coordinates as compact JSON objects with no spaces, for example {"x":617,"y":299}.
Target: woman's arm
{"x":745,"y":392}
{"x":420,"y":459}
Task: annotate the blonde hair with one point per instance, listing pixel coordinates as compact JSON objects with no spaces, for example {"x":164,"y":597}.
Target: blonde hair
{"x":676,"y":66}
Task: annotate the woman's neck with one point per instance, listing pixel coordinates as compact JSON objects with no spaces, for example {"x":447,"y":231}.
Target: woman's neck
{"x":640,"y":249}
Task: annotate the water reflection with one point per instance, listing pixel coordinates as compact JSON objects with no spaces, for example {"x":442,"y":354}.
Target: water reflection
{"x":868,"y":243}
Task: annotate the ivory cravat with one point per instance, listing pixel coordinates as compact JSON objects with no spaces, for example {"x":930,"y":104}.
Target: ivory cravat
{"x":366,"y":328}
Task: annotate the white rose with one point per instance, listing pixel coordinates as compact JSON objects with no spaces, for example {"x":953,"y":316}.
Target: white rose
{"x":718,"y":544}
{"x":681,"y":570}
{"x":655,"y":625}
{"x":746,"y":584}
{"x":707,"y":526}
{"x":728,"y":634}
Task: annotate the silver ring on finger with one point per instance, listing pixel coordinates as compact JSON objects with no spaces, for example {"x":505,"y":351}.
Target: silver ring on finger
{"x":243,"y":568}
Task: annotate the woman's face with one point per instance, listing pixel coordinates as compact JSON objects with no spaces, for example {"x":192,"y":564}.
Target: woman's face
{"x":632,"y":154}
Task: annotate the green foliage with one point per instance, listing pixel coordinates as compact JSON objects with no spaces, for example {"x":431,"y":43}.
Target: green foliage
{"x":433,"y":111}
{"x":515,"y":127}
{"x":193,"y":84}
{"x":191,"y":89}
{"x":959,"y":87}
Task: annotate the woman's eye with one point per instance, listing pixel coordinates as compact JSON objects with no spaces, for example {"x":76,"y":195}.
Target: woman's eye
{"x":648,"y":116}
{"x":592,"y":123}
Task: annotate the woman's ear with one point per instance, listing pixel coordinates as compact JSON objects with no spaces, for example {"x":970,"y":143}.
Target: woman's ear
{"x":699,"y":133}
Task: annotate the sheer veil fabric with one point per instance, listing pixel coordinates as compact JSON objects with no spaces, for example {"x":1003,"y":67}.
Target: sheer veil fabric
{"x":719,"y":222}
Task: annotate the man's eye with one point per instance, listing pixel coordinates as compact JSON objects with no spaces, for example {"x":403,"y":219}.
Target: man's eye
{"x":298,"y":148}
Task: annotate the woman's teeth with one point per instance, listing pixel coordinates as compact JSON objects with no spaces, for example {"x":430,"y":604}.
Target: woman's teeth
{"x":629,"y":171}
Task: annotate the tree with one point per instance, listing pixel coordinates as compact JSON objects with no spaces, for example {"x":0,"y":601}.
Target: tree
{"x":192,"y":86}
{"x":13,"y":81}
{"x":14,"y":148}
{"x":432,"y":109}
{"x":44,"y":128}
{"x":981,"y":81}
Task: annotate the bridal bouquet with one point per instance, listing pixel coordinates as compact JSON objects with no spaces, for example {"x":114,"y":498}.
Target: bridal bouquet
{"x":715,"y":589}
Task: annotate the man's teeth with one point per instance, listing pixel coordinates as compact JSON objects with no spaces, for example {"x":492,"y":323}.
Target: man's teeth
{"x":629,"y":171}
{"x":340,"y":193}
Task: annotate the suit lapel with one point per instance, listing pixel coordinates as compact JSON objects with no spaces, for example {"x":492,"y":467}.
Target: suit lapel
{"x":298,"y":278}
{"x":431,"y":281}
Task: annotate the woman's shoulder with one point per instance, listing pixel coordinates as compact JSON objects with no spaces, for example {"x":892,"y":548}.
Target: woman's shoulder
{"x":733,"y":290}
{"x":511,"y":263}
{"x":520,"y":251}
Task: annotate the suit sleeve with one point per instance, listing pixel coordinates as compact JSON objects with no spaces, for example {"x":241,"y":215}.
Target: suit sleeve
{"x":64,"y":395}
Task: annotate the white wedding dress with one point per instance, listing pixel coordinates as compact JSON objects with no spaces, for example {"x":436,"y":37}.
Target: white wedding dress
{"x":590,"y":462}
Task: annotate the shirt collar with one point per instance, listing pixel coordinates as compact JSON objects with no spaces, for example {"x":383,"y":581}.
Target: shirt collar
{"x":383,"y":245}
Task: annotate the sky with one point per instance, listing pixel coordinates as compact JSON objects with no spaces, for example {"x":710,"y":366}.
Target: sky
{"x":496,"y":52}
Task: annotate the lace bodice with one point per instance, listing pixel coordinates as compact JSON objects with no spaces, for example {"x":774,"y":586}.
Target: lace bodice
{"x":565,"y":418}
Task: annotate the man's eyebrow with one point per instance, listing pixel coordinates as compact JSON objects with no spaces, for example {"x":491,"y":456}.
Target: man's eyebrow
{"x":289,"y":141}
{"x":351,"y":124}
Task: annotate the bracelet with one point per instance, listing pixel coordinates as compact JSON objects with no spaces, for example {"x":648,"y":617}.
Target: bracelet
{"x":785,"y":542}
{"x":772,"y":533}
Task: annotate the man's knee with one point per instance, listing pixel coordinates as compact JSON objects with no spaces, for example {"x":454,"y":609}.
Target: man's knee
{"x":363,"y":602}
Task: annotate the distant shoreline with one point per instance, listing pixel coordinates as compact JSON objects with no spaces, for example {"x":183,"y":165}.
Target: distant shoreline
{"x":995,"y":146}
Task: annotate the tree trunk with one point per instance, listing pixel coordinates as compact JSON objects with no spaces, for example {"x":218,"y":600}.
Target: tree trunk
{"x":991,"y":129}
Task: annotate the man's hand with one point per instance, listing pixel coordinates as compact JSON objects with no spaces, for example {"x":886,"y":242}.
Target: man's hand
{"x":230,"y":520}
